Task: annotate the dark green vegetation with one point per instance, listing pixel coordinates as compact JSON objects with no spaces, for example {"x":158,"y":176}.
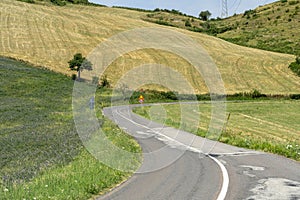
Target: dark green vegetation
{"x":61,"y":2}
{"x":273,"y":27}
{"x":204,"y":15}
{"x":41,"y":154}
{"x":154,"y":96}
{"x":80,"y":63}
{"x":175,"y":18}
{"x":270,"y":126}
{"x":295,"y":66}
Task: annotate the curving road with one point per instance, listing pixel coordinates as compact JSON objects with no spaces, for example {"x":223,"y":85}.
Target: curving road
{"x":176,"y":167}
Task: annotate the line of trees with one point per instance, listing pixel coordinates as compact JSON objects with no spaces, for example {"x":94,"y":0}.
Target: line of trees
{"x":61,"y":2}
{"x":64,"y":2}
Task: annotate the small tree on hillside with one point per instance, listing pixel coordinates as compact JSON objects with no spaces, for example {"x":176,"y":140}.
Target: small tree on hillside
{"x":79,"y":63}
{"x":204,"y":15}
{"x":295,"y":66}
{"x":104,"y":82}
{"x":188,"y":23}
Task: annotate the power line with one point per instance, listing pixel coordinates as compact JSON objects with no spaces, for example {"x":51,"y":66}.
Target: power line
{"x":232,"y":5}
{"x":224,"y":9}
{"x":237,"y":6}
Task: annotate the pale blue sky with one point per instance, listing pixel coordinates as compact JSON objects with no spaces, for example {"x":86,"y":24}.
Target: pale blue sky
{"x":191,"y":7}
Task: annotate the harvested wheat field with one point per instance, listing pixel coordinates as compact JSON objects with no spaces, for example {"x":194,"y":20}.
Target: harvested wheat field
{"x":49,"y":36}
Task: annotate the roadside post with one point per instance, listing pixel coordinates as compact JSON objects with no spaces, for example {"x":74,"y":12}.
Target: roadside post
{"x":141,"y":99}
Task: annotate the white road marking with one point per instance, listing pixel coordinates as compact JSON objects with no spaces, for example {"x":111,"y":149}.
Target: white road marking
{"x":142,"y":133}
{"x":225,"y":184}
{"x":225,"y":176}
{"x":169,"y":139}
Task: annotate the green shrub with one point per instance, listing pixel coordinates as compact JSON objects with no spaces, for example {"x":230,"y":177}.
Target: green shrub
{"x":27,"y":1}
{"x":104,"y":82}
{"x":188,"y":23}
{"x":256,"y":94}
{"x":161,"y":22}
{"x":73,"y":77}
{"x":249,"y":12}
{"x":136,"y":9}
{"x":58,"y":2}
{"x":295,"y":66}
{"x":293,"y":2}
{"x":295,"y":96}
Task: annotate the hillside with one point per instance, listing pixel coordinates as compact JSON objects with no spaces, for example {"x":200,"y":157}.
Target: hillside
{"x":49,"y":35}
{"x":39,"y":141}
{"x":57,"y":2}
{"x":274,"y":27}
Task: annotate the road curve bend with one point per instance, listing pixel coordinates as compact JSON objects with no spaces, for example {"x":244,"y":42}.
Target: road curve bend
{"x":175,"y":168}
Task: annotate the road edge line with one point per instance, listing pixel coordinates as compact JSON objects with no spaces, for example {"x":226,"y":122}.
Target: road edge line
{"x":225,"y":176}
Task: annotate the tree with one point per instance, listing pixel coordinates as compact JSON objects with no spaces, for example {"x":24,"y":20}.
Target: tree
{"x":104,"y":82}
{"x":295,"y":66}
{"x":79,"y":63}
{"x":188,"y":23}
{"x":204,"y":15}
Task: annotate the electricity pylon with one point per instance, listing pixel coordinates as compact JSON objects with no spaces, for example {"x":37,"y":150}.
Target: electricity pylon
{"x":224,"y":13}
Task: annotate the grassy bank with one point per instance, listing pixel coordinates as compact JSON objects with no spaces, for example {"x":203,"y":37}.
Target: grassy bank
{"x":271,"y":126}
{"x":41,"y":154}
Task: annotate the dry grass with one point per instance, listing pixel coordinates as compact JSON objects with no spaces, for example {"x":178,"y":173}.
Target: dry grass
{"x":50,"y":35}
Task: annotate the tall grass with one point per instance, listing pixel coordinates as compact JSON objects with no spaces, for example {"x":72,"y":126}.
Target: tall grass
{"x":41,"y":154}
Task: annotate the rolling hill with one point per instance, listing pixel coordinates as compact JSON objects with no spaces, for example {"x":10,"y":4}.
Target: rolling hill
{"x":48,"y":35}
{"x":274,"y":27}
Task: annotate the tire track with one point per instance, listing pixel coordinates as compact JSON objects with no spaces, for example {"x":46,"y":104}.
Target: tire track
{"x":2,"y":15}
{"x":261,"y":132}
{"x":66,"y":35}
{"x":271,"y":124}
{"x":8,"y":38}
{"x":273,"y":77}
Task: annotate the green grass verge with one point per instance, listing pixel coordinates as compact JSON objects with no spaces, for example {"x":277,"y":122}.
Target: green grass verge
{"x":41,"y":155}
{"x":271,"y":126}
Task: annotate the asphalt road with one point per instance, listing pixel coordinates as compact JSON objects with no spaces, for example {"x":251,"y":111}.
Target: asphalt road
{"x":180,"y":165}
